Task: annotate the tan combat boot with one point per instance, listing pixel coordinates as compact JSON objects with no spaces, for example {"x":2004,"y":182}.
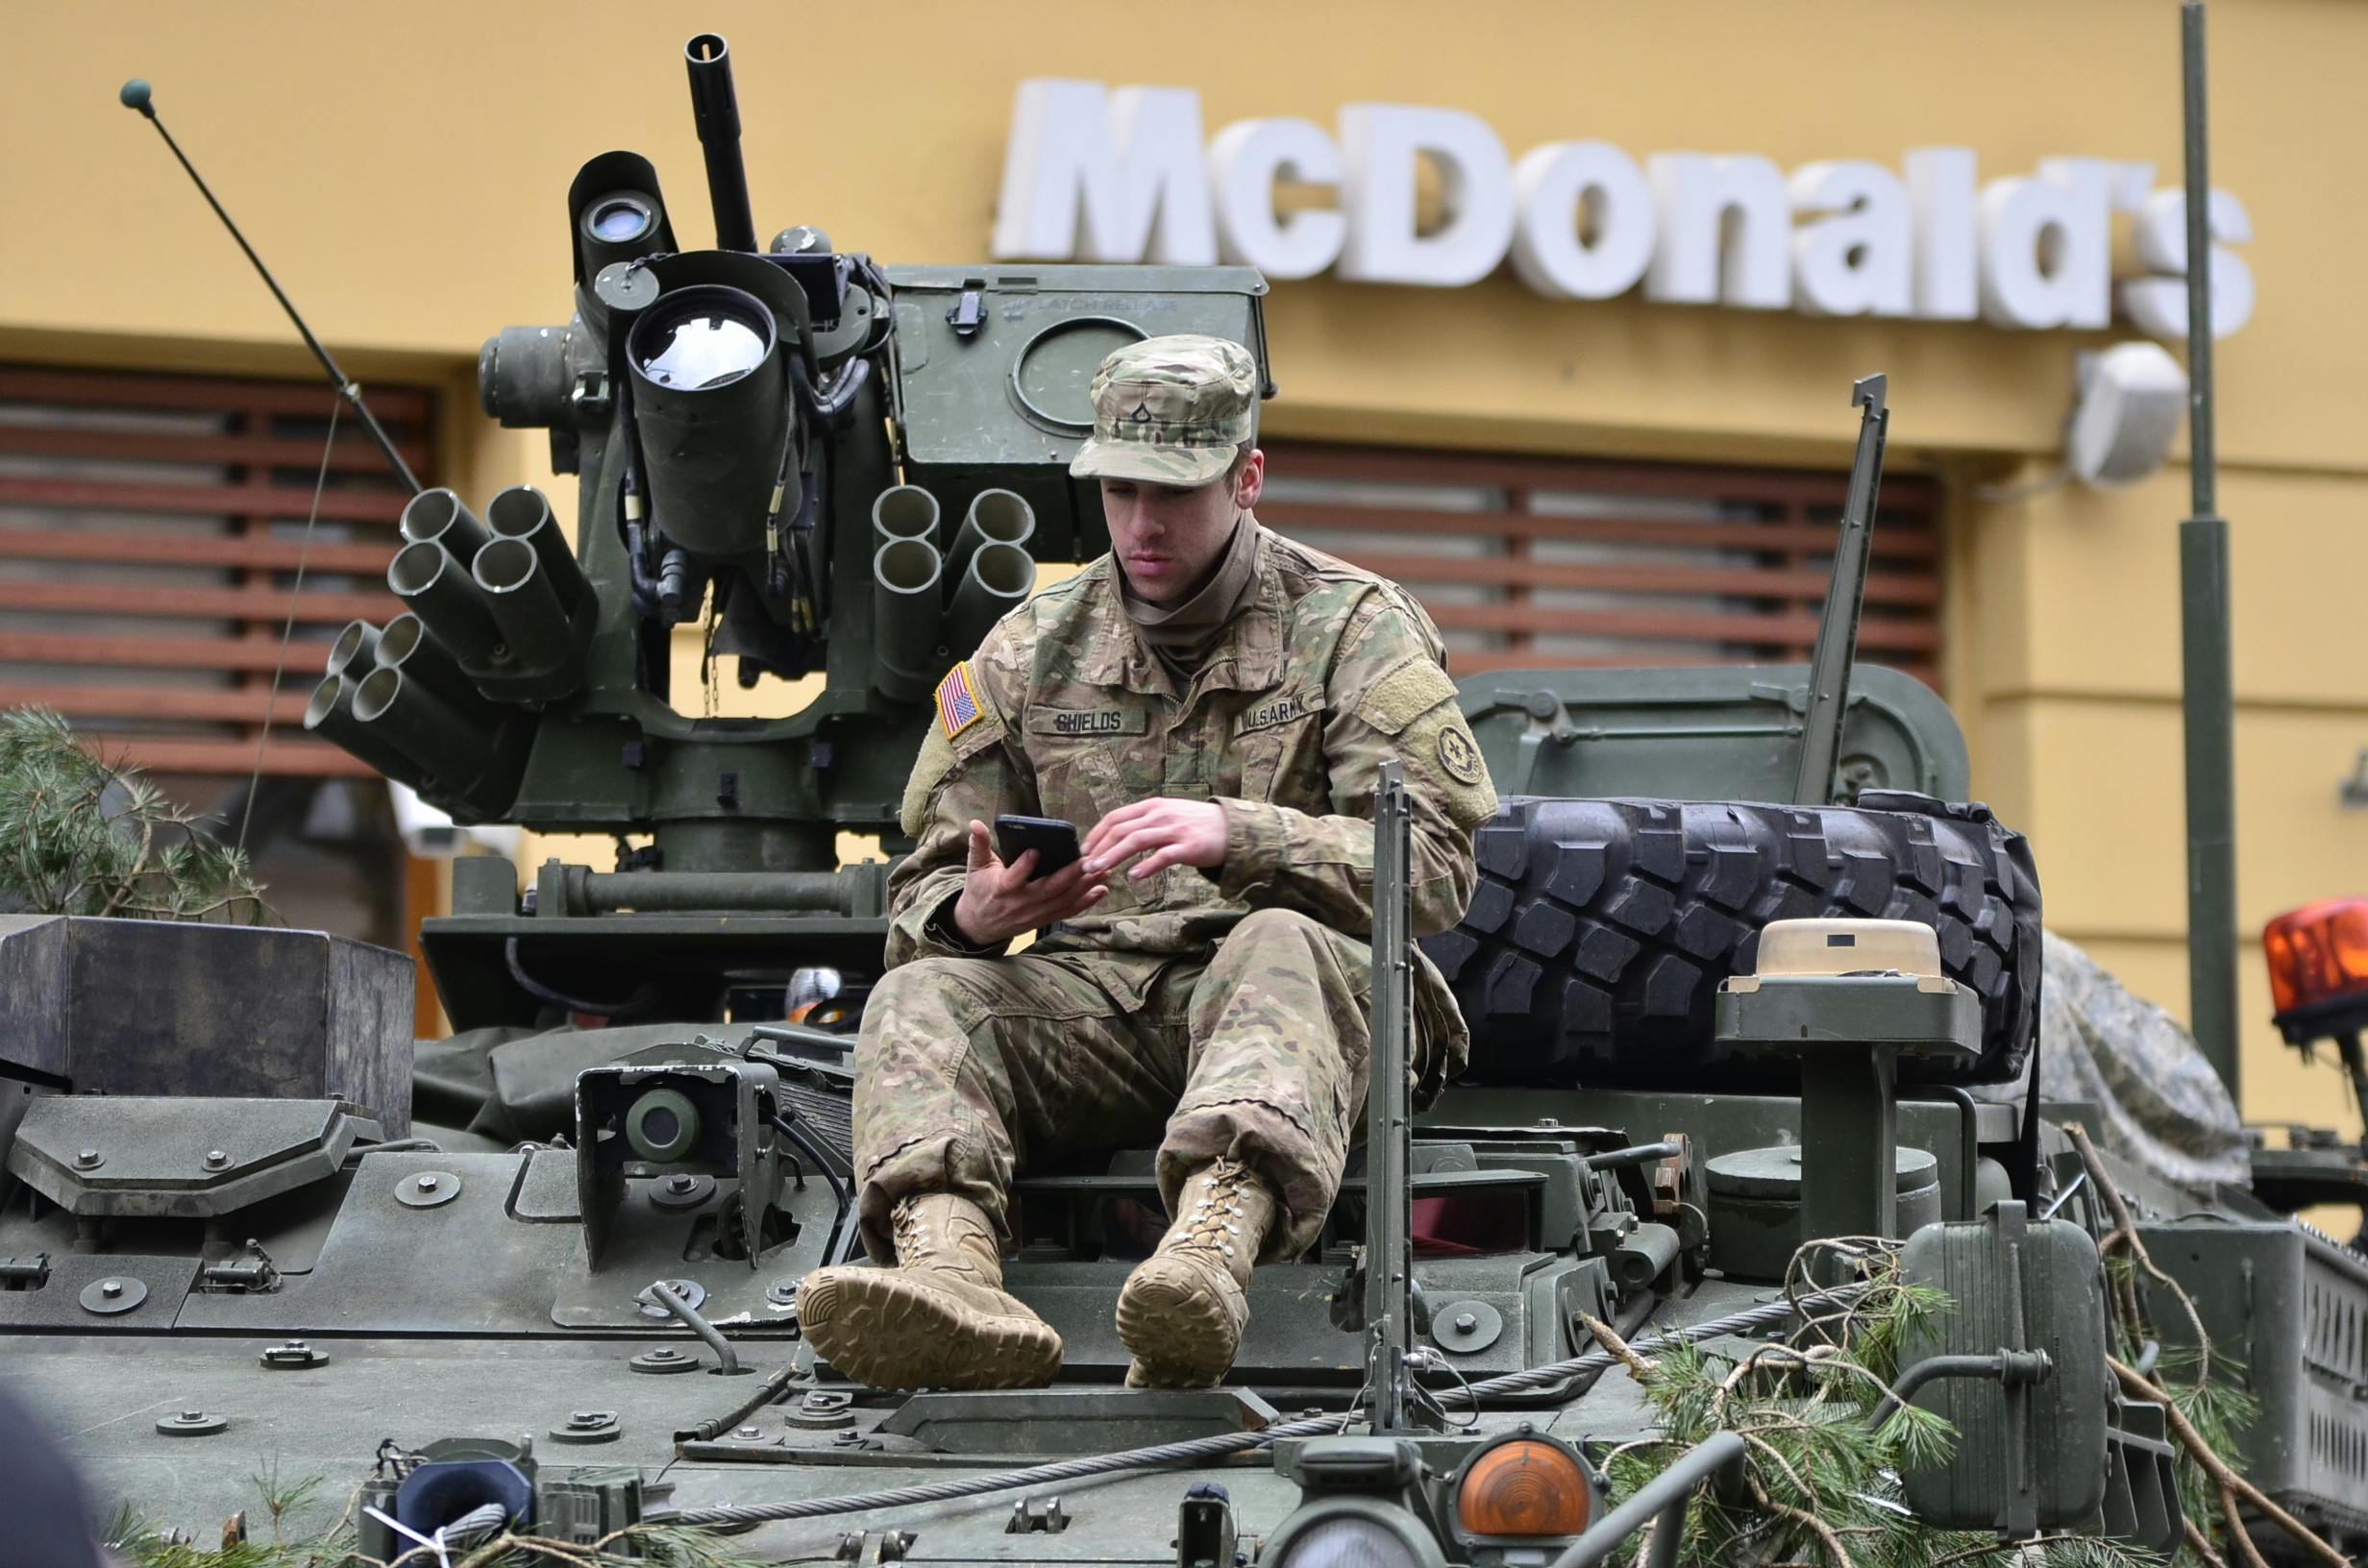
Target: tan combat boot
{"x":1184,"y":1307}
{"x":940,"y":1318}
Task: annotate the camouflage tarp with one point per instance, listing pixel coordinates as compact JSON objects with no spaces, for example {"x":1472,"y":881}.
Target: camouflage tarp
{"x":2160,"y":1104}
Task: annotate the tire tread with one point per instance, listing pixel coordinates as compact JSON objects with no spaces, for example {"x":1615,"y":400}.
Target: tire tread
{"x":1600,"y":929}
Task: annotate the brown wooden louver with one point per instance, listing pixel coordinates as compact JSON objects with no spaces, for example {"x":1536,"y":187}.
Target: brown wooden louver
{"x":150,"y":527}
{"x":1547,"y":561}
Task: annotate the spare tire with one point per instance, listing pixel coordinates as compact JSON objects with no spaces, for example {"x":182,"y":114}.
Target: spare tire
{"x":1600,"y":929}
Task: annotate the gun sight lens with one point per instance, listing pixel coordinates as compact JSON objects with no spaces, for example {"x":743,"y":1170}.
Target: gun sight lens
{"x":703,"y":338}
{"x":619,"y":220}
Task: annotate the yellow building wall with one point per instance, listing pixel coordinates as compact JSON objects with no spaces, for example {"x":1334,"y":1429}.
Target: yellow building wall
{"x":404,"y":171}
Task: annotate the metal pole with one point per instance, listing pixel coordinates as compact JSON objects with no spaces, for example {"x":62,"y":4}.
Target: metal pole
{"x":2207,"y":685}
{"x":1845,"y":597}
{"x":135,"y":95}
{"x":1388,"y":1247}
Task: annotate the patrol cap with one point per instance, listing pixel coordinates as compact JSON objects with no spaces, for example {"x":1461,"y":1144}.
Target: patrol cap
{"x":1170,"y":410}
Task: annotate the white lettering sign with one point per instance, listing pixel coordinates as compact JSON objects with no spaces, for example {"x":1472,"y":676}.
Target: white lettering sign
{"x":1099,"y":174}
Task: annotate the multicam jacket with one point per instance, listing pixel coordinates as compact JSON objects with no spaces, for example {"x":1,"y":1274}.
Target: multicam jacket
{"x":1064,"y":711}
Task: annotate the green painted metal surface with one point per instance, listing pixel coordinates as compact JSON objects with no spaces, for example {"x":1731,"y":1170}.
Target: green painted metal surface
{"x":315,"y":1289}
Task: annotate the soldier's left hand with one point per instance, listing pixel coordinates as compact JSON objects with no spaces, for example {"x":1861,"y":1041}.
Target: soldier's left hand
{"x":1165,"y":832}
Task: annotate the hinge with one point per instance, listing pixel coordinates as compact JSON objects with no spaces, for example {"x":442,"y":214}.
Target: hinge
{"x":24,"y":1273}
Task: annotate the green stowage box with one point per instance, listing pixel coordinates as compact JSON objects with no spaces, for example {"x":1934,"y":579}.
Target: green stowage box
{"x":2017,"y":1283}
{"x":2289,"y":1309}
{"x":995,"y":364}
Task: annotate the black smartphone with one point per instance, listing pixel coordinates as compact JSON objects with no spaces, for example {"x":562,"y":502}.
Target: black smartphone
{"x":1055,"y":841}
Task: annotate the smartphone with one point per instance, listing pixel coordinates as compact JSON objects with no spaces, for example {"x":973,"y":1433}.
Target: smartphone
{"x":1055,"y":841}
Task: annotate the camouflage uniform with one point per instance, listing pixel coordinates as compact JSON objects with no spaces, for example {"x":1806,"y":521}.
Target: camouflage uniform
{"x":1220,"y":1012}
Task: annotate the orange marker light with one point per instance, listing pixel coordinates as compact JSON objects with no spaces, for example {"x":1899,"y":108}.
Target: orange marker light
{"x":1523,"y":1487}
{"x":2318,"y":954}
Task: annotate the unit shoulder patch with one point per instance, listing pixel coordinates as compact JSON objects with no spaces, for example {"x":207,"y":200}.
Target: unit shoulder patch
{"x":1459,"y":756}
{"x":1441,"y":755}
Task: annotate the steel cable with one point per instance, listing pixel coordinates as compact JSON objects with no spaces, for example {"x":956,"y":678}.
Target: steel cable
{"x":1217,"y":1447}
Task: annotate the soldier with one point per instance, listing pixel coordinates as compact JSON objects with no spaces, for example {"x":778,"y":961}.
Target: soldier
{"x":1212,"y":701}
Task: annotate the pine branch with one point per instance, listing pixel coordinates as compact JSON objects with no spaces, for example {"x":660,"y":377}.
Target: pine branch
{"x":83,"y":835}
{"x":2225,"y":1478}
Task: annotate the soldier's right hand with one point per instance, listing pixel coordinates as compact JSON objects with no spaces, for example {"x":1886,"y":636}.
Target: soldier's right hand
{"x":998,"y":902}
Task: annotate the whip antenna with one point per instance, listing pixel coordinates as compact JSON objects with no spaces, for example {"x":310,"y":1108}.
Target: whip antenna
{"x":137,"y":95}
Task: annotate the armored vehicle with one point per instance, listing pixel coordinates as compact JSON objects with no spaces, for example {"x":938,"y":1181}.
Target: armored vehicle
{"x":1748,"y":1223}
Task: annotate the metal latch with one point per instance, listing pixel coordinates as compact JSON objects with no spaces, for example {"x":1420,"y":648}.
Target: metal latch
{"x":1204,"y":1528}
{"x":969,"y":315}
{"x":24,"y":1273}
{"x":1037,"y":1516}
{"x":866,"y":1548}
{"x":252,"y":1272}
{"x":591,"y":397}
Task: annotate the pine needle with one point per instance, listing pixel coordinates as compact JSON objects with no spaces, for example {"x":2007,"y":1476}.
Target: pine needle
{"x":82,"y":834}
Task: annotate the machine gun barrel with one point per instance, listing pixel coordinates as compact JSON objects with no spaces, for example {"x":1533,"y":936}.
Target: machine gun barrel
{"x":716,"y":109}
{"x":1838,"y":628}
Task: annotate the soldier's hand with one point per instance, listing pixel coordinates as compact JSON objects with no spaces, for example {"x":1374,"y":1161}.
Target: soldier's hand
{"x":1165,"y":832}
{"x":998,"y":902}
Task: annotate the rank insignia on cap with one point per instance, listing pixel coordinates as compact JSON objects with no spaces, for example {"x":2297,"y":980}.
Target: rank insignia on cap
{"x":958,"y":705}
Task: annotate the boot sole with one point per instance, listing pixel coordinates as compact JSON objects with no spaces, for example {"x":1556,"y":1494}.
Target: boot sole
{"x":886,"y":1336}
{"x":1157,"y":1322}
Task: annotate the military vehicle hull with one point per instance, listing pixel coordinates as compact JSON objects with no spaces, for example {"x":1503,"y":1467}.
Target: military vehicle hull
{"x":253,"y":1235}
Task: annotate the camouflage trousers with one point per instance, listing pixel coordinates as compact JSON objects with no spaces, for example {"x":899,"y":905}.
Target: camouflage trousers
{"x":1256,"y":1050}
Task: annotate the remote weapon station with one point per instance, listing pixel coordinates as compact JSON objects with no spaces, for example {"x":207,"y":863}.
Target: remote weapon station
{"x":1748,"y":1076}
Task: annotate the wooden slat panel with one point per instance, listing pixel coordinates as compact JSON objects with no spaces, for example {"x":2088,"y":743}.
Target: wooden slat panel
{"x":1902,"y":493}
{"x":220,"y":705}
{"x":352,"y":455}
{"x":211,"y":394}
{"x":1800,"y":629}
{"x":1737,"y":582}
{"x":228,"y":550}
{"x":286,"y":500}
{"x":102,"y":439}
{"x":1753,"y":561}
{"x":194,"y":603}
{"x":299,"y":759}
{"x":1891,"y":538}
{"x":254,"y":652}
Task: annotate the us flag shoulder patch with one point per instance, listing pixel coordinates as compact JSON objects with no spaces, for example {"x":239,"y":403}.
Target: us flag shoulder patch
{"x":958,"y":705}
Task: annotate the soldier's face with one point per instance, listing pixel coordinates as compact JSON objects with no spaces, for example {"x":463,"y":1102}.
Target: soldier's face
{"x":1167,"y":537}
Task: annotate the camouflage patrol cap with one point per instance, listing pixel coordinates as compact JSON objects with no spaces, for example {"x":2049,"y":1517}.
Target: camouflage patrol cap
{"x":1170,"y":410}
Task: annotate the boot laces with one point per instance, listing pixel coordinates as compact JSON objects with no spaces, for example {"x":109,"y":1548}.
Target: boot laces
{"x":1211,"y":1220}
{"x":911,"y":1233}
